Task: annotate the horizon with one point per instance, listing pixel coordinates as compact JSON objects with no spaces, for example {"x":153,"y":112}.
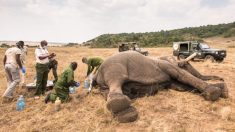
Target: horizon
{"x":65,"y":21}
{"x":107,"y":33}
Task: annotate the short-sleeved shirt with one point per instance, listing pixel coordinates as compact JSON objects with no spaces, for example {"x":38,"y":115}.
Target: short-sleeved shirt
{"x":39,"y":52}
{"x":11,"y":55}
{"x":92,"y":63}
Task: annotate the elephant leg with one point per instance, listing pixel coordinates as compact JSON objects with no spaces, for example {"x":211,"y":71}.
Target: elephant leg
{"x":224,"y":89}
{"x":117,"y":101}
{"x":208,"y":91}
{"x":120,"y":105}
{"x":176,"y":85}
{"x":188,"y":67}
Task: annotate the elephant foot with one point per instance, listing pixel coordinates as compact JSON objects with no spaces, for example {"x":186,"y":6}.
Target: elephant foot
{"x":224,"y":89}
{"x":117,"y":102}
{"x":211,"y":93}
{"x":128,"y":115}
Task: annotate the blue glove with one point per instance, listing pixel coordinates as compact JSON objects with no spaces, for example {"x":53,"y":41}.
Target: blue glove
{"x":77,"y":84}
{"x":23,"y":70}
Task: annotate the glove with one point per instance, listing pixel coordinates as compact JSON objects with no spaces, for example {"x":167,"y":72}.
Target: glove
{"x":77,"y":84}
{"x":23,"y":70}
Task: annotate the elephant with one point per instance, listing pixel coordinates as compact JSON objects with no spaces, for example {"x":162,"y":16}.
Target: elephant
{"x":129,"y":74}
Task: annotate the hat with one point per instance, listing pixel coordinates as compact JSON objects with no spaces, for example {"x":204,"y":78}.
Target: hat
{"x":44,"y":42}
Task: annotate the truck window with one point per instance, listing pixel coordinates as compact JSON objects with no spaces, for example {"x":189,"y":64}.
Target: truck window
{"x":184,"y":47}
{"x":204,"y":46}
{"x":195,"y":47}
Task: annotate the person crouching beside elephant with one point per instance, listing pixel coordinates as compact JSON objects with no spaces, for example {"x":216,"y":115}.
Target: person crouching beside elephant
{"x":61,"y":87}
{"x":93,"y":64}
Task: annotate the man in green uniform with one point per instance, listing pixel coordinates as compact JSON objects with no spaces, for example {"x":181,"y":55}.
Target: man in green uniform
{"x":61,"y":87}
{"x":93,"y":63}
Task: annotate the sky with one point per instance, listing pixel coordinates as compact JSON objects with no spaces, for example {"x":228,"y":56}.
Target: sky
{"x":81,"y":20}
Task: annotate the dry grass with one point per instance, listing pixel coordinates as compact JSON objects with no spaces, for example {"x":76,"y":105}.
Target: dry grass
{"x":168,"y":110}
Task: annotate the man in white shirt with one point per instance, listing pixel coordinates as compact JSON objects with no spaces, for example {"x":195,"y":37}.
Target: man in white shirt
{"x":12,"y":64}
{"x":42,"y":68}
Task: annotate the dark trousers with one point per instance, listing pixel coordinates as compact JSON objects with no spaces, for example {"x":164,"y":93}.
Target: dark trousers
{"x":42,"y":76}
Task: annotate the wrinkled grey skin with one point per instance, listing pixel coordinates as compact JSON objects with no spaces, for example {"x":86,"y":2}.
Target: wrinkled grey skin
{"x":130,"y":74}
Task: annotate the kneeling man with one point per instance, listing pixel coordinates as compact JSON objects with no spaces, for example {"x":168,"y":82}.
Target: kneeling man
{"x":61,"y":87}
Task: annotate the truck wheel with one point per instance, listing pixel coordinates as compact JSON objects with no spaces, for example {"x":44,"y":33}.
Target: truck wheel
{"x":209,"y":58}
{"x":181,"y":57}
{"x":220,"y":60}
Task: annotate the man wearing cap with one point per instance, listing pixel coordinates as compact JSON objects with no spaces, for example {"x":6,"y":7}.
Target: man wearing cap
{"x":42,"y":67}
{"x":12,"y":64}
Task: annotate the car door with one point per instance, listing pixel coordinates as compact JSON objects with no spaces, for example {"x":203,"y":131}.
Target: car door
{"x":184,"y":49}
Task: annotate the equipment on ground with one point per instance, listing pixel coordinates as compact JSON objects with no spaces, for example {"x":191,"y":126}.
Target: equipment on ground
{"x":20,"y":104}
{"x":57,"y":104}
{"x":33,"y":85}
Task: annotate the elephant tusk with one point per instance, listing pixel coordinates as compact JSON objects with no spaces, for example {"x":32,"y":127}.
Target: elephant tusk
{"x":191,"y":56}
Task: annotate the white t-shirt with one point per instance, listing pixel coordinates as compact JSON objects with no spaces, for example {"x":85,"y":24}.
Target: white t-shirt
{"x":41,"y":52}
{"x":11,"y":55}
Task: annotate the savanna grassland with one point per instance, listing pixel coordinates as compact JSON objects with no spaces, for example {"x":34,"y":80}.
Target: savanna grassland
{"x":168,"y":110}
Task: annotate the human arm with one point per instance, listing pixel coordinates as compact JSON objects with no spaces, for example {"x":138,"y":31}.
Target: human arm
{"x":51,"y":55}
{"x":47,"y":56}
{"x":43,"y":54}
{"x":18,"y":61}
{"x":70,"y":79}
{"x":90,"y":70}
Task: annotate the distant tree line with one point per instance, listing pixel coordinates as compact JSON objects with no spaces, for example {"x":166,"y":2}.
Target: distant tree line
{"x":71,"y":44}
{"x":164,"y":38}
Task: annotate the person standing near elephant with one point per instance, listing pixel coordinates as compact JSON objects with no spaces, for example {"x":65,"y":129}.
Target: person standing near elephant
{"x":61,"y":87}
{"x":42,"y":67}
{"x":92,"y":63}
{"x":12,"y":64}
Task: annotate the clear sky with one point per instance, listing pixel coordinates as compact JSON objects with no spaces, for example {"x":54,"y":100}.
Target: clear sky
{"x":81,"y":20}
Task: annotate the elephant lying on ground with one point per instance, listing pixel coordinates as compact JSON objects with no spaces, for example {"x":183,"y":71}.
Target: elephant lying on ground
{"x":130,"y":74}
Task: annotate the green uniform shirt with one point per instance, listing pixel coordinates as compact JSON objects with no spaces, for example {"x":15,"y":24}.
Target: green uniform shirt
{"x":93,"y":63}
{"x":61,"y":88}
